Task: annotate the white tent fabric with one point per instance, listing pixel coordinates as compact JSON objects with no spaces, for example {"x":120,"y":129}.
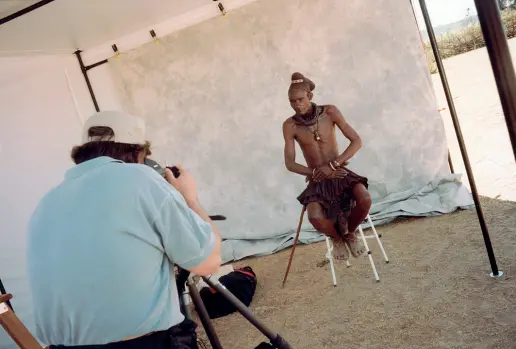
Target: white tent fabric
{"x":214,"y":97}
{"x":39,"y":126}
{"x":61,"y":27}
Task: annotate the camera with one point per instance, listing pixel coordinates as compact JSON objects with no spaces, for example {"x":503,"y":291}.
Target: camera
{"x":159,"y":169}
{"x":176,"y":173}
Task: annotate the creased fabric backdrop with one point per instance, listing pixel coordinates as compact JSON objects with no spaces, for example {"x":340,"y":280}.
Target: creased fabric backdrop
{"x":215,"y":96}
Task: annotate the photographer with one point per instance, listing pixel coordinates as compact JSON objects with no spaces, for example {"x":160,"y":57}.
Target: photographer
{"x":102,"y":244}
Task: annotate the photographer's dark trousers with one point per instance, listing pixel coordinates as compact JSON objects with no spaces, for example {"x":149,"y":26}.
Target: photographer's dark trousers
{"x":181,"y":336}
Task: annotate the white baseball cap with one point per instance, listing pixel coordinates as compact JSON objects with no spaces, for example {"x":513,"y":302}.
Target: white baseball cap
{"x":126,"y":127}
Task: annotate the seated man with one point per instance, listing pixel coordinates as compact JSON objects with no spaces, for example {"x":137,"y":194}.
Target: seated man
{"x":101,"y":245}
{"x":337,"y":199}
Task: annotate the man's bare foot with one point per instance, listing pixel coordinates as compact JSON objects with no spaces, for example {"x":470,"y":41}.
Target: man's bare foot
{"x":355,"y":244}
{"x":340,"y":251}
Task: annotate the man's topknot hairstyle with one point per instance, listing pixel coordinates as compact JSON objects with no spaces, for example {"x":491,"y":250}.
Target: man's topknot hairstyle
{"x":300,"y":82}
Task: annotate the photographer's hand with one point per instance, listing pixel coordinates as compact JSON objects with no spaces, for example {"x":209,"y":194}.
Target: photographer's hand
{"x":185,"y":184}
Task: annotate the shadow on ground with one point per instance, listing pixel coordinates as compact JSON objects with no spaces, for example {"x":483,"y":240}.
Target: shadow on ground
{"x":435,"y":293}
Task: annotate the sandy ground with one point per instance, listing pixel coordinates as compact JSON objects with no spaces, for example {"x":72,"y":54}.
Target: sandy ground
{"x":435,"y":293}
{"x":482,"y":121}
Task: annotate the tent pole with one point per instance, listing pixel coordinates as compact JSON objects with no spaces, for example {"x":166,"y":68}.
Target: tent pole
{"x":501,"y":62}
{"x":88,"y":67}
{"x":88,"y":83}
{"x":450,"y":163}
{"x":24,"y":11}
{"x":462,"y":145}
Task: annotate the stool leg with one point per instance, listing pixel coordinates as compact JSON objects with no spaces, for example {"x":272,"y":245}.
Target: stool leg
{"x":378,"y":239}
{"x":368,"y":253}
{"x":329,"y":255}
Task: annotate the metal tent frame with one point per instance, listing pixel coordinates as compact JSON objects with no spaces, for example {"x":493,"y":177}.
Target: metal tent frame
{"x":500,"y":57}
{"x":501,"y":63}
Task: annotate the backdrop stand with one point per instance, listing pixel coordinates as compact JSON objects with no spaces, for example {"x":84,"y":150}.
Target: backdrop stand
{"x":462,"y":146}
{"x":84,"y":70}
{"x":450,"y":163}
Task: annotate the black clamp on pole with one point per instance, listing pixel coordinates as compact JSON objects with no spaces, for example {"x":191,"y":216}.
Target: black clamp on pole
{"x":221,"y":8}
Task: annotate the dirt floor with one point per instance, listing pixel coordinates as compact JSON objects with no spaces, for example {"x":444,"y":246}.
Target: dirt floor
{"x":435,"y":293}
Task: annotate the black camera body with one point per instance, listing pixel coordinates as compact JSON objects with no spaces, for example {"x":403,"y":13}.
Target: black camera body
{"x":159,"y":169}
{"x":176,"y":173}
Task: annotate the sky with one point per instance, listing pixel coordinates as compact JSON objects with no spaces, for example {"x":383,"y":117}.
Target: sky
{"x":445,"y":11}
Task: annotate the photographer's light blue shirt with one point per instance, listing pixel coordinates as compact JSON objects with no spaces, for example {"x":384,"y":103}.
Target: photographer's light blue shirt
{"x":100,"y":247}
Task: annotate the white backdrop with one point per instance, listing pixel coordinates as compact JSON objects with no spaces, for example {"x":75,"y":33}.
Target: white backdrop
{"x":214,"y":97}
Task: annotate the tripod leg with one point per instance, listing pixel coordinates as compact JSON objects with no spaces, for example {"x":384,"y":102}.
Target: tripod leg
{"x":274,"y":337}
{"x":203,"y":315}
{"x":185,"y":298}
{"x":294,"y":246}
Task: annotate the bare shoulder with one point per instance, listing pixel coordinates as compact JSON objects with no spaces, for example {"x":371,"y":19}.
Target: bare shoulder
{"x":333,"y":112}
{"x":289,"y":123}
{"x":289,"y":128}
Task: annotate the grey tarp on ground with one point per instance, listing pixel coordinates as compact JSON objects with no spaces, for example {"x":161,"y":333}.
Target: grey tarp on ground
{"x":442,"y":194}
{"x":214,"y":98}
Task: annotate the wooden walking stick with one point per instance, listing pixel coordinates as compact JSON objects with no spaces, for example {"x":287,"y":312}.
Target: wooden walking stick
{"x":294,"y":246}
{"x":14,"y":327}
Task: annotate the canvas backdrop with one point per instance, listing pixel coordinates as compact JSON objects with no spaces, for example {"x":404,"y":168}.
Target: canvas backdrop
{"x":214,"y":97}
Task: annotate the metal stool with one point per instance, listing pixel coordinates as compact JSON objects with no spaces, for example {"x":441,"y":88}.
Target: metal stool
{"x":329,"y":254}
